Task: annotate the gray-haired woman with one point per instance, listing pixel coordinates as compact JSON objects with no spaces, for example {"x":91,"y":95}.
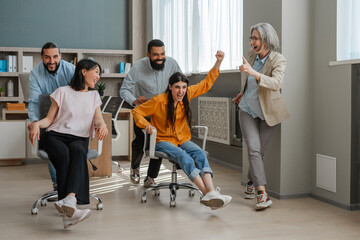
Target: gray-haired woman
{"x":261,"y":105}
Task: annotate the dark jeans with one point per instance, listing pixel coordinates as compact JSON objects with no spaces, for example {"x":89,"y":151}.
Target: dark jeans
{"x":138,"y":152}
{"x":68,"y":154}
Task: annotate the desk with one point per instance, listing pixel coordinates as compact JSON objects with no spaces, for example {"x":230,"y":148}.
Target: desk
{"x":13,"y":145}
{"x":14,"y":114}
{"x":104,"y":161}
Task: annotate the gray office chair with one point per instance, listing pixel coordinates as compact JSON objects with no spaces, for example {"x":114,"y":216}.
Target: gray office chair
{"x":44,"y":105}
{"x":173,"y":186}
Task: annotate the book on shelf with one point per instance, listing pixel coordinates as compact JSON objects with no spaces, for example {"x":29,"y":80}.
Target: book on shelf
{"x":127,"y":67}
{"x":9,"y":63}
{"x":14,"y":63}
{"x":3,"y":65}
{"x":122,"y":67}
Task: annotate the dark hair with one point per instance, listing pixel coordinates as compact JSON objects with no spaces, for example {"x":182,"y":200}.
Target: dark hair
{"x":78,"y":81}
{"x":155,"y":43}
{"x":49,"y":45}
{"x":170,"y":115}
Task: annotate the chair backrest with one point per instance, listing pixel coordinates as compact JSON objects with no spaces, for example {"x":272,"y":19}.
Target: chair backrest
{"x":105,"y":101}
{"x":44,"y":105}
{"x":114,"y":106}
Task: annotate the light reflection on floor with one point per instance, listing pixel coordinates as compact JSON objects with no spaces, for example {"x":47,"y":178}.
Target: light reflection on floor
{"x":102,"y":185}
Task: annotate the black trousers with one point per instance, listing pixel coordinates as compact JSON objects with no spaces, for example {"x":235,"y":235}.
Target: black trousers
{"x":138,"y":152}
{"x":68,"y":154}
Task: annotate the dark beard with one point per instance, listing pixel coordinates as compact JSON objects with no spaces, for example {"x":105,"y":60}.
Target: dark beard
{"x":157,"y":66}
{"x":54,"y":71}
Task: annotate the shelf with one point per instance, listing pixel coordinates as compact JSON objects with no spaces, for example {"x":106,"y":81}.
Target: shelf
{"x":113,"y":75}
{"x":9,"y":74}
{"x":9,"y":99}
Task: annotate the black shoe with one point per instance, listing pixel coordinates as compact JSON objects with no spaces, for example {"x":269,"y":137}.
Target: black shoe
{"x":55,"y":186}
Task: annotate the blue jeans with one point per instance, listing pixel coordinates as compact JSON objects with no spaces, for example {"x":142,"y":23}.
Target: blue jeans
{"x":185,"y":155}
{"x":52,"y":171}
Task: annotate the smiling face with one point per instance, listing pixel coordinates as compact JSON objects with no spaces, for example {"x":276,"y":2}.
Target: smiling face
{"x":51,"y":59}
{"x":91,"y":77}
{"x":258,"y":47}
{"x":178,"y":91}
{"x":157,"y":57}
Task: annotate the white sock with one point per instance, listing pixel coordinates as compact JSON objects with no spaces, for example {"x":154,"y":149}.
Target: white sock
{"x":70,"y":201}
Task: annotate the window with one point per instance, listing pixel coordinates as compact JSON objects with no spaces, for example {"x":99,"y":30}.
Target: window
{"x":348,"y":31}
{"x":193,"y":30}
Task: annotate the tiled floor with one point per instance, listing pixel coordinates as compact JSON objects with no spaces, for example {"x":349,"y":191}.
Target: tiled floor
{"x":124,"y":217}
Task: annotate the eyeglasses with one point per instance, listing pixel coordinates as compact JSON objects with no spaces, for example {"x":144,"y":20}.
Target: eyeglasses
{"x":254,"y":39}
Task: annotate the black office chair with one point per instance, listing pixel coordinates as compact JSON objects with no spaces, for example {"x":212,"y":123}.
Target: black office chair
{"x":44,"y":105}
{"x":173,"y":186}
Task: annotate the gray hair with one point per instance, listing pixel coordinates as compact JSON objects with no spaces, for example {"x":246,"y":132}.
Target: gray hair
{"x":268,"y":35}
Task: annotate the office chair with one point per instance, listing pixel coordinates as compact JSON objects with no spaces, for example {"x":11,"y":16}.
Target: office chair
{"x":113,"y":106}
{"x":44,"y":105}
{"x":104,"y":100}
{"x":173,"y":186}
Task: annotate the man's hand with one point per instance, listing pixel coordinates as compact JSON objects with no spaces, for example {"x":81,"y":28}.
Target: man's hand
{"x":139,"y":100}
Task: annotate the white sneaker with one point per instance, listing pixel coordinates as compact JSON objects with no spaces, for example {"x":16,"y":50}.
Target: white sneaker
{"x":58,"y":206}
{"x":262,"y":201}
{"x":213,"y":199}
{"x":227,"y":200}
{"x":69,"y":206}
{"x":78,"y":216}
{"x":249,"y":191}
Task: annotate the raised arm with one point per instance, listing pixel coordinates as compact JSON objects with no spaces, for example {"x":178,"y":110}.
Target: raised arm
{"x":206,"y":84}
{"x":43,"y":123}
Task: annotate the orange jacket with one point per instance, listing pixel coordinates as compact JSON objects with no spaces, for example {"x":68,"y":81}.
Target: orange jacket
{"x":156,"y":108}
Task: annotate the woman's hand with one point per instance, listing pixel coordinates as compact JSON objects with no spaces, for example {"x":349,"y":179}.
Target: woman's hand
{"x":34,"y":132}
{"x":238,"y":98}
{"x":101,"y":131}
{"x":149,"y":129}
{"x":249,"y":70}
{"x":219,"y":58}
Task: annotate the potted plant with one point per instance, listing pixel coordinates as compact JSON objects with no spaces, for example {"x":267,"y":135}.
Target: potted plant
{"x":101,"y":88}
{"x":2,"y":92}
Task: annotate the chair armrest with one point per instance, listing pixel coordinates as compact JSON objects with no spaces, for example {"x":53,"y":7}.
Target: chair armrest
{"x":118,"y":134}
{"x":100,"y":143}
{"x":152,"y":142}
{"x":206,"y":129}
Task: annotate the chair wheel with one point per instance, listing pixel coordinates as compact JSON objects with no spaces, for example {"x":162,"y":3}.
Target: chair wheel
{"x":191,"y":193}
{"x":99,"y":206}
{"x":120,"y":170}
{"x":157,"y":192}
{"x":172,"y":204}
{"x":143,"y":199}
{"x":43,"y":203}
{"x":34,"y":211}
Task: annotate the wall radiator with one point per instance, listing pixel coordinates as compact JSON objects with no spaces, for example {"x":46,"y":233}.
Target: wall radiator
{"x":219,"y":114}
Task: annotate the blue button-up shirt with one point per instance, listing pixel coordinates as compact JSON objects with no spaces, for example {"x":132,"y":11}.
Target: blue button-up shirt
{"x":143,"y":80}
{"x":42,"y":82}
{"x":250,"y":102}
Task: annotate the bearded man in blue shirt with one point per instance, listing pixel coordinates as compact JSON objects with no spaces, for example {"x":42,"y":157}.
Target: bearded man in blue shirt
{"x":45,"y":78}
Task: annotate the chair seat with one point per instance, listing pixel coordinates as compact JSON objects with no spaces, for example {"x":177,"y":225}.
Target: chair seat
{"x":92,"y":154}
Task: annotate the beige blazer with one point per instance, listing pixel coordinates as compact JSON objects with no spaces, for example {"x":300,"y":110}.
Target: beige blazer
{"x":271,"y":81}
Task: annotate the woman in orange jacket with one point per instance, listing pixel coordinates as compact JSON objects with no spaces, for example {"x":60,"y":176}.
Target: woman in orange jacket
{"x":171,"y":116}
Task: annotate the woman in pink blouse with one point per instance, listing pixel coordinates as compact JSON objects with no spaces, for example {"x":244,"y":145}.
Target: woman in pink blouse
{"x":73,"y":117}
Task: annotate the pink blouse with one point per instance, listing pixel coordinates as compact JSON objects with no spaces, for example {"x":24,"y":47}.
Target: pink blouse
{"x":76,"y":111}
